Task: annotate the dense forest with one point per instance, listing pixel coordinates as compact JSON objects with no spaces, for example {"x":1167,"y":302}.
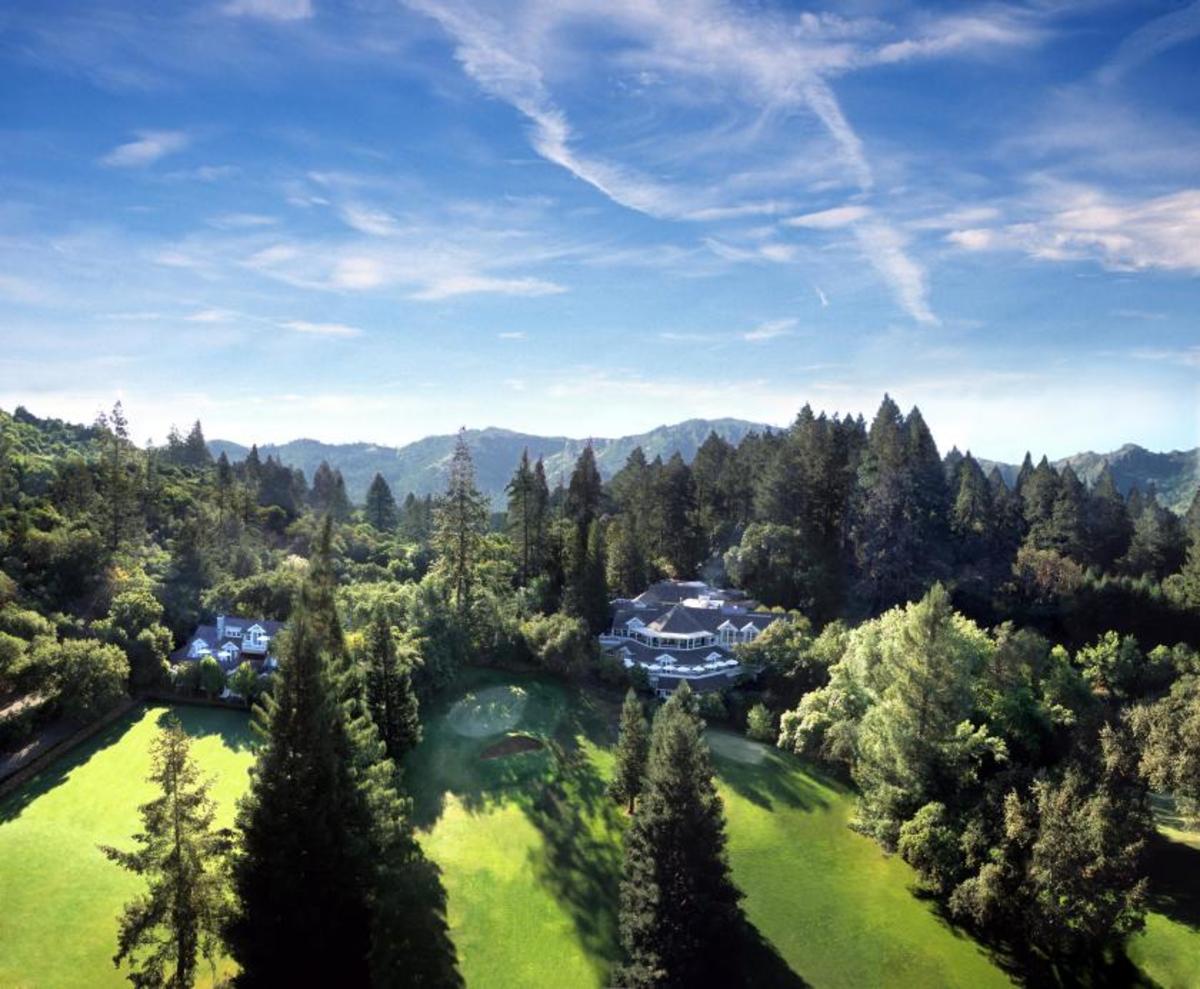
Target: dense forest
{"x":1000,"y":670}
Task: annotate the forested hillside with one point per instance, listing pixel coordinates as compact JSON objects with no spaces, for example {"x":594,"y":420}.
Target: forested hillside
{"x":421,"y":467}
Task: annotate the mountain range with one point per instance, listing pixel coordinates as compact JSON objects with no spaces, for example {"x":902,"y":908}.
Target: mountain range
{"x":420,"y":467}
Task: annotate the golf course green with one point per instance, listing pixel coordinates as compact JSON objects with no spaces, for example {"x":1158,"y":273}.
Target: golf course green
{"x":530,"y":850}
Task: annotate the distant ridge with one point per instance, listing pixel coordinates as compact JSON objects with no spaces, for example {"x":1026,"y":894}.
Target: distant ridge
{"x":1175,"y":475}
{"x":420,"y":467}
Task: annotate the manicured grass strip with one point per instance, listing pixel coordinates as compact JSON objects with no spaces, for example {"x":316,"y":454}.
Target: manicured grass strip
{"x":837,"y":909}
{"x":60,"y":895}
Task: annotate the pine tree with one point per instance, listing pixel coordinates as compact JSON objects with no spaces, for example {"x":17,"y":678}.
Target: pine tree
{"x":1038,"y":493}
{"x":675,"y":532}
{"x":1108,"y":526}
{"x":628,"y":572}
{"x":971,"y":517}
{"x":633,"y":748}
{"x":390,"y":695}
{"x":115,"y":481}
{"x":460,"y":522}
{"x":380,"y":505}
{"x":224,"y":485}
{"x":541,"y":519}
{"x":301,"y":876}
{"x":195,"y":449}
{"x":521,"y":518}
{"x":899,"y":531}
{"x":332,"y":886}
{"x":587,"y":584}
{"x":178,"y":919}
{"x":679,"y":907}
{"x":584,"y":493}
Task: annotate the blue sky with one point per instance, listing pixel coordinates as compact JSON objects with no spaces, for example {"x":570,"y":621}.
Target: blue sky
{"x":378,"y":220}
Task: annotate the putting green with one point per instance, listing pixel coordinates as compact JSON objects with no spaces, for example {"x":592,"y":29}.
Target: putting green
{"x":490,"y":711}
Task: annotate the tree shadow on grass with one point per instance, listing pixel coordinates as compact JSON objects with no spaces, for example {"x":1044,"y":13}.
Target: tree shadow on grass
{"x":1173,"y":869}
{"x":232,"y":726}
{"x":761,"y":965}
{"x":580,"y":859}
{"x":63,"y":765}
{"x":777,"y":779}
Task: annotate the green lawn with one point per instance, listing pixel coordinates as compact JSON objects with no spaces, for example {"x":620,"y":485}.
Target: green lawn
{"x":59,"y":896}
{"x":529,"y":846}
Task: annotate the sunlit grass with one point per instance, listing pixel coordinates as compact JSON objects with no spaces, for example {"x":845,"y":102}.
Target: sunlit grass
{"x":59,"y":896}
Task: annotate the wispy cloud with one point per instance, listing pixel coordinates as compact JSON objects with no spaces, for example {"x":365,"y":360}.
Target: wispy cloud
{"x":1125,"y":235}
{"x":829,"y":219}
{"x":364,"y":219}
{"x":446,"y":288}
{"x":1151,"y":39}
{"x":512,"y":335}
{"x":150,"y":146}
{"x":270,"y":10}
{"x":1180,"y":356}
{"x":770,"y":330}
{"x":321,"y":329}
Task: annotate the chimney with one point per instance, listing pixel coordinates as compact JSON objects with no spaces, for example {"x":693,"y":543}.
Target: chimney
{"x":220,"y":627}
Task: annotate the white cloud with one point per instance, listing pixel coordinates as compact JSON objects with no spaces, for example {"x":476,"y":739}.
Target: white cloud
{"x":150,"y":146}
{"x":359,"y":273}
{"x":364,"y":219}
{"x":824,"y":299}
{"x":1151,"y":39}
{"x":770,"y":330}
{"x":512,"y":335}
{"x":455,"y":285}
{"x":1162,"y":232}
{"x":1180,"y":357}
{"x":960,"y":34}
{"x":769,"y":66}
{"x":884,"y":247}
{"x":270,"y":10}
{"x":829,"y":219}
{"x":211,"y":316}
{"x":976,"y":239}
{"x":321,"y":329}
{"x":242,"y":221}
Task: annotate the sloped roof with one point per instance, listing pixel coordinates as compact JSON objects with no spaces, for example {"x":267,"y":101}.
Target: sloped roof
{"x":680,"y":620}
{"x":208,"y":634}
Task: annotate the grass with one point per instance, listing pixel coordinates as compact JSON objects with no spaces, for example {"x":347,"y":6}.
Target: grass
{"x":530,"y":851}
{"x":530,"y":848}
{"x":60,"y":896}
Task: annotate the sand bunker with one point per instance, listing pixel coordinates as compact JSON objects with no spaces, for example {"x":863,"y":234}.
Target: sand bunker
{"x":488,"y":712}
{"x":737,"y":748}
{"x":512,"y":745}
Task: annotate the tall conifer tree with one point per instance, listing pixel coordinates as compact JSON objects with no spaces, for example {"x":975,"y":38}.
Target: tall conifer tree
{"x":679,"y":908}
{"x":165,"y":932}
{"x":460,"y":523}
{"x":633,"y":748}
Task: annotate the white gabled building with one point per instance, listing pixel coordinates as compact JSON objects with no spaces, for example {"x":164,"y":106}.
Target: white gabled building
{"x":685,"y":630}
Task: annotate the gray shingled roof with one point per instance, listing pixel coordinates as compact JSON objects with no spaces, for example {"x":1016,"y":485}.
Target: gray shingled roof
{"x":680,"y":620}
{"x":208,"y":633}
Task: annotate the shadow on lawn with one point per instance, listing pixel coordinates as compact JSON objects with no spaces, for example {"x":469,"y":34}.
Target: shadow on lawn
{"x":55,"y":774}
{"x":233,"y":729}
{"x":1174,"y":872}
{"x":777,"y":779}
{"x":232,"y":725}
